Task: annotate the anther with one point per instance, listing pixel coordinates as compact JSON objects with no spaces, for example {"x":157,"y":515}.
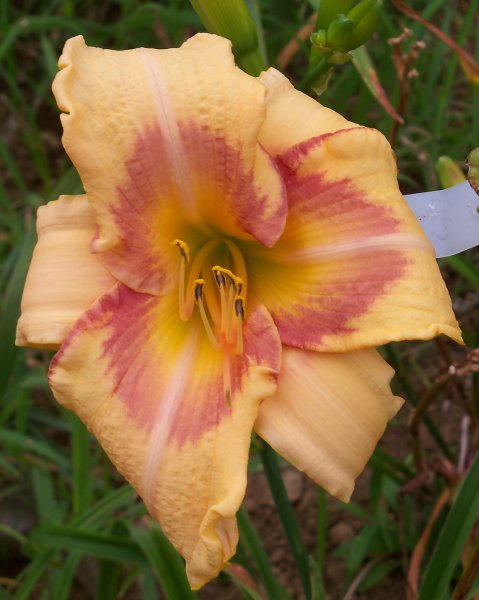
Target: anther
{"x":183,"y":248}
{"x":239,"y":310}
{"x":198,"y":289}
{"x":227,"y":293}
{"x":199,"y":284}
{"x":238,"y":286}
{"x":185,"y":258}
{"x":220,"y":278}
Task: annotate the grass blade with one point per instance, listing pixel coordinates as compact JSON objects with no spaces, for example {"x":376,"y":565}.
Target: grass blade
{"x":287,"y":516}
{"x":453,"y":536}
{"x":11,"y":306}
{"x":252,"y":541}
{"x":165,"y":561}
{"x":89,"y":542}
{"x":82,"y":481}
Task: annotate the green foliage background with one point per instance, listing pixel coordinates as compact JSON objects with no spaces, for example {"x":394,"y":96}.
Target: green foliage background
{"x":60,"y":501}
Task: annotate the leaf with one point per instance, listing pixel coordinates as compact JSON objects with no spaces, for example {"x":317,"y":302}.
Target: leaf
{"x":367,"y":72}
{"x":165,"y":561}
{"x":101,"y":545}
{"x":455,"y":531}
{"x":287,"y":516}
{"x":82,"y":480}
{"x":251,"y":540}
{"x":11,"y":306}
{"x":20,"y":441}
{"x":465,"y":267}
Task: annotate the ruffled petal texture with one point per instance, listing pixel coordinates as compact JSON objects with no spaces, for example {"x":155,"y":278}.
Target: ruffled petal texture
{"x":64,"y":277}
{"x":293,"y":117}
{"x":165,"y":142}
{"x":173,"y":414}
{"x":353,"y":268}
{"x":328,"y":413}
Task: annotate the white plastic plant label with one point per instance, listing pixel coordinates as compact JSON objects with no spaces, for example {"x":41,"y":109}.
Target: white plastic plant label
{"x":450,"y":218}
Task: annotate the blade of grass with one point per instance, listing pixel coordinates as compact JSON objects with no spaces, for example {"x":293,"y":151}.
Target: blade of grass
{"x":252,"y":541}
{"x":101,"y":545}
{"x":318,"y":591}
{"x":147,"y":585}
{"x":63,"y":580}
{"x":105,"y":507}
{"x":82,"y":480}
{"x":464,"y":267}
{"x":287,"y":516}
{"x":11,"y":306}
{"x":108,"y":580}
{"x":365,"y":68}
{"x":46,"y":505}
{"x":246,"y":590}
{"x":20,"y":441}
{"x":32,"y":573}
{"x":455,"y":531}
{"x":164,"y":560}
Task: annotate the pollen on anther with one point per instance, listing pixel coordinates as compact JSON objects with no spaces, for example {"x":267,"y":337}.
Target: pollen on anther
{"x":199,"y":284}
{"x":219,"y":277}
{"x":239,"y":307}
{"x":184,"y":249}
{"x":238,"y":286}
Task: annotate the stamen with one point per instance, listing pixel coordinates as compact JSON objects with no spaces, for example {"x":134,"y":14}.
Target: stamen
{"x":240,"y":265}
{"x":183,"y":247}
{"x":185,"y":259}
{"x":239,"y":286}
{"x":229,"y":313}
{"x":221,"y":281}
{"x":239,"y":310}
{"x":195,"y":272}
{"x":199,"y":283}
{"x":230,"y":287}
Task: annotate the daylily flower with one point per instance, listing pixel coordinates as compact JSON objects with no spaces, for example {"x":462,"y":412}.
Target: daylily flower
{"x":238,"y":254}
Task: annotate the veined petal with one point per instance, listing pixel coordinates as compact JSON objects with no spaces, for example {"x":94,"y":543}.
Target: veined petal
{"x":64,"y":277}
{"x":185,"y":412}
{"x":165,"y":142}
{"x":293,"y":117}
{"x":353,"y":268}
{"x":328,"y":413}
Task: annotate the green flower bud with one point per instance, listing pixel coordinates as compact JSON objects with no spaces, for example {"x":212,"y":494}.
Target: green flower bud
{"x":231,"y":20}
{"x":448,"y":172}
{"x":329,"y":9}
{"x":318,"y":38}
{"x":339,"y":33}
{"x":473,"y":171}
{"x":365,"y":17}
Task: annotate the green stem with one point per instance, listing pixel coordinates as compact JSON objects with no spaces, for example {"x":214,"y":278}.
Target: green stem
{"x":319,"y":69}
{"x":287,"y":516}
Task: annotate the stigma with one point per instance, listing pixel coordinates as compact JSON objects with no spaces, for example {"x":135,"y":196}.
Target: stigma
{"x":217,"y":292}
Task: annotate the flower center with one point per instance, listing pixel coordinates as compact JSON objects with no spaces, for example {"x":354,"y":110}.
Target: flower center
{"x":218,"y":292}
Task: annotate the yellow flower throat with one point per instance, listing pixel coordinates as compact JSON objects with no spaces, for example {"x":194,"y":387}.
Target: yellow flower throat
{"x":222,"y":313}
